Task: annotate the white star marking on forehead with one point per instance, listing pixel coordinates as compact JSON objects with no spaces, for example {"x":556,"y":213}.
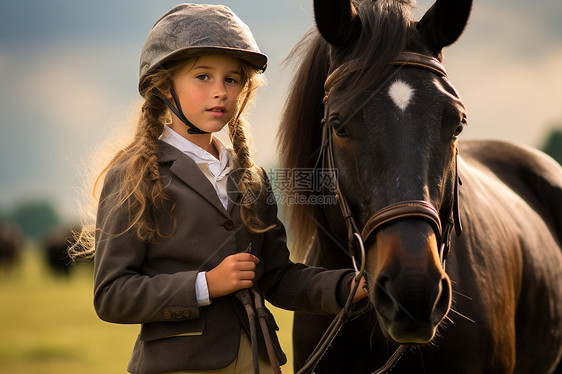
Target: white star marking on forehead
{"x":401,"y":93}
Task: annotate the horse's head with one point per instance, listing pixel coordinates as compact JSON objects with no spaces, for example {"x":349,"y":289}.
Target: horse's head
{"x":394,"y":129}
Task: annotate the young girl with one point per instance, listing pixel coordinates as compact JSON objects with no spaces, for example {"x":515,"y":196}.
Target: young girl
{"x":183,"y":221}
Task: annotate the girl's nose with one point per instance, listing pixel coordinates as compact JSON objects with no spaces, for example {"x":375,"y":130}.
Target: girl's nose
{"x":219,"y":90}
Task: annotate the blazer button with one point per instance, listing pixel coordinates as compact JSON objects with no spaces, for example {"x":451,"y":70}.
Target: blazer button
{"x":228,"y":224}
{"x":186,"y":313}
{"x":167,"y":314}
{"x":178,"y":313}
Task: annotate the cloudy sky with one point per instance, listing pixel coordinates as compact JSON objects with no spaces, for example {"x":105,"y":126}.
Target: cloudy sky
{"x":69,"y":68}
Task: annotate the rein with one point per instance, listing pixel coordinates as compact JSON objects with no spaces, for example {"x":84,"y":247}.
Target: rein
{"x":401,"y":210}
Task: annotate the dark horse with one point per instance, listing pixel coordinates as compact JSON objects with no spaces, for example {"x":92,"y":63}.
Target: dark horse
{"x":11,"y":245}
{"x":498,"y":306}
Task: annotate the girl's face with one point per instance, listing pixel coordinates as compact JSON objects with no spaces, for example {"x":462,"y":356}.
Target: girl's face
{"x":208,"y":89}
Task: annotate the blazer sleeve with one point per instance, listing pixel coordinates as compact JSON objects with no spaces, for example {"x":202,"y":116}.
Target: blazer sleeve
{"x":122,"y":293}
{"x":296,"y":286}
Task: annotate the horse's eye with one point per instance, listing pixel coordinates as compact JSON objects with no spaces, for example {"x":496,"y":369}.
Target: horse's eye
{"x":339,"y":128}
{"x":459,"y":129}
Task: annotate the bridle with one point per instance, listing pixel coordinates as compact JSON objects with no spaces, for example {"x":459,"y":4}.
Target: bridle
{"x":405,"y":209}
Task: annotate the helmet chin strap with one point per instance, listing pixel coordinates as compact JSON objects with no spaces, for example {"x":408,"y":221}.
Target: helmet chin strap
{"x":192,"y":129}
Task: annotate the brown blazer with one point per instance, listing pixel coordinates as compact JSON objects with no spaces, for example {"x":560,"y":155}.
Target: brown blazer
{"x":153,"y":283}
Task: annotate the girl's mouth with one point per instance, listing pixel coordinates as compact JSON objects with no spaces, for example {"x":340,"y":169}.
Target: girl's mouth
{"x":217,"y":111}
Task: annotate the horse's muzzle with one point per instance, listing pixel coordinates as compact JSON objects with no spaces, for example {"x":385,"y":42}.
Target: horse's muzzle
{"x":409,"y":289}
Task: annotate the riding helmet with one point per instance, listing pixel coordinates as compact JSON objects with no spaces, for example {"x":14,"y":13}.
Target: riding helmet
{"x":189,"y":30}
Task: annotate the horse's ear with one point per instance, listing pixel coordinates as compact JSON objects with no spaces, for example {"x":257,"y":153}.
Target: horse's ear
{"x":337,"y":21}
{"x":444,"y":22}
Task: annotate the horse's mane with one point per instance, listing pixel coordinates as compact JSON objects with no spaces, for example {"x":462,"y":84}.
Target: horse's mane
{"x":385,"y":24}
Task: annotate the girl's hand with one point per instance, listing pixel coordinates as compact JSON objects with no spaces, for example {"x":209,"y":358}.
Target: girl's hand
{"x":361,"y":292}
{"x":234,"y":273}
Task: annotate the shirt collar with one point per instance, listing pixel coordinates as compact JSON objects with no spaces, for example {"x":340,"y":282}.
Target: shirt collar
{"x":198,"y":154}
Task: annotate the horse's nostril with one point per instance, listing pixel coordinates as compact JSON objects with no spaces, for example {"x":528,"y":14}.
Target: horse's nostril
{"x":442,"y":302}
{"x":384,"y":299}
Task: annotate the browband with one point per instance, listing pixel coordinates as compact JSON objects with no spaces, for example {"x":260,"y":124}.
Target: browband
{"x":413,"y":59}
{"x":421,"y":61}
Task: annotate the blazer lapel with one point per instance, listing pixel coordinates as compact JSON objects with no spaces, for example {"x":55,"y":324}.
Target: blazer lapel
{"x":188,"y":172}
{"x":232,"y":190}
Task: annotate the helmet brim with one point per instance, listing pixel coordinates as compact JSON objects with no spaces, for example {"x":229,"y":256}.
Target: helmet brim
{"x":256,"y":60}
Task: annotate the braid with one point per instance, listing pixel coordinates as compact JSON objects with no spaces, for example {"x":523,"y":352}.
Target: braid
{"x":141,"y":190}
{"x":240,"y":144}
{"x":149,"y":194}
{"x":151,"y":127}
{"x":251,"y":184}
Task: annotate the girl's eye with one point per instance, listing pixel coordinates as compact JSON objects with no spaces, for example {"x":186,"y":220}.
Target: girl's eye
{"x":231,"y":80}
{"x":340,"y":128}
{"x":203,"y":77}
{"x":459,"y":129}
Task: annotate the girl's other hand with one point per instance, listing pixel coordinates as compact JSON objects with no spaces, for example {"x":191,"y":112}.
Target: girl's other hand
{"x":234,"y":273}
{"x":361,"y":290}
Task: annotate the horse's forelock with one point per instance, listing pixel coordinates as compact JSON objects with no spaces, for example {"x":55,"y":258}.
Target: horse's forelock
{"x":385,"y":25}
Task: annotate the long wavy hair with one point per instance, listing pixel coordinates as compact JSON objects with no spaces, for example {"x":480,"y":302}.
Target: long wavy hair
{"x":141,"y":190}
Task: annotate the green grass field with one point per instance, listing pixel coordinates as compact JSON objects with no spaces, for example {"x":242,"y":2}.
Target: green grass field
{"x":48,"y":325}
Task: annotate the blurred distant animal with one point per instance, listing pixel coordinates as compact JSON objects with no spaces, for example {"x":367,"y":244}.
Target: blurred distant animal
{"x":11,"y":243}
{"x":55,"y":245}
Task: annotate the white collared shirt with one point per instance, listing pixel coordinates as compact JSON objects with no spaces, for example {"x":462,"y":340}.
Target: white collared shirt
{"x":216,"y":171}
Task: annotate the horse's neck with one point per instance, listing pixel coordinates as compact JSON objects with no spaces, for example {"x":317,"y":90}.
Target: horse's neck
{"x":330,"y":243}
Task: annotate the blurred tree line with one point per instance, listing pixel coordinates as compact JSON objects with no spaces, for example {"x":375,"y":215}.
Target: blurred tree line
{"x":35,"y":217}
